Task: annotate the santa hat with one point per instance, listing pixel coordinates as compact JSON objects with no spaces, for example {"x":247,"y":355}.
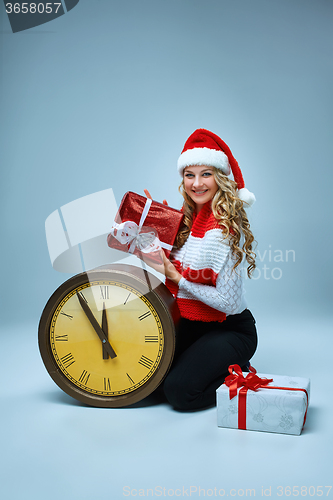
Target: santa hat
{"x":205,"y":148}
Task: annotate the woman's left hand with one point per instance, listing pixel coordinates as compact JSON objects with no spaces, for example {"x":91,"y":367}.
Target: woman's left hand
{"x":165,"y":267}
{"x":147,"y":193}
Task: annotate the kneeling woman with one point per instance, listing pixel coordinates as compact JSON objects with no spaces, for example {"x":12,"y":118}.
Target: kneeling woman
{"x":205,"y":271}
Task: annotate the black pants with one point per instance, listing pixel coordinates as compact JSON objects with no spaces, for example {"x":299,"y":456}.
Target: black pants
{"x":203,"y":353}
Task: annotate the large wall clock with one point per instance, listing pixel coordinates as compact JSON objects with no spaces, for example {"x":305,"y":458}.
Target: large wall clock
{"x":107,"y":337}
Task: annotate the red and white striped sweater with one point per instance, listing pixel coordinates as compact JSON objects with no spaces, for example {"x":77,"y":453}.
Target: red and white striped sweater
{"x":209,"y":289}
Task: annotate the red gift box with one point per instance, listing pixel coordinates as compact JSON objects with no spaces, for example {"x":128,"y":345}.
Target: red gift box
{"x":144,"y":226}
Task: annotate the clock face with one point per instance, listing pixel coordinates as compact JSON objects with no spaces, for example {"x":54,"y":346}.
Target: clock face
{"x":134,"y":331}
{"x":109,"y":340}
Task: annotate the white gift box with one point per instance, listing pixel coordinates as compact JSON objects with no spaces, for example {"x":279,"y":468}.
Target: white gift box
{"x":281,"y":410}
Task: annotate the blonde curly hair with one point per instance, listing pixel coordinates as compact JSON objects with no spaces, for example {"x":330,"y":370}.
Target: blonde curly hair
{"x":228,"y":210}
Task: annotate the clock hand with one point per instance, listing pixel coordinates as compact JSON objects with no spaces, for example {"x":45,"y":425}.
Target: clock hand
{"x":105,"y":330}
{"x":96,"y":327}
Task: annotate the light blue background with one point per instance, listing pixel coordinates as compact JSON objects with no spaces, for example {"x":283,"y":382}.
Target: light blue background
{"x":105,"y":96}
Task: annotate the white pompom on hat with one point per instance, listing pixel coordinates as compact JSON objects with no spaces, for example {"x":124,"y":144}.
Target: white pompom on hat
{"x":205,"y":148}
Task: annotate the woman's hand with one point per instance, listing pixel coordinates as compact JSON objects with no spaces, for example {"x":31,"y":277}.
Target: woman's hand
{"x":147,"y":193}
{"x":169,"y":270}
{"x":165,"y":267}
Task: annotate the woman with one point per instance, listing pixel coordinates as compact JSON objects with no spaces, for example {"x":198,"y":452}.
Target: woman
{"x":204,"y":273}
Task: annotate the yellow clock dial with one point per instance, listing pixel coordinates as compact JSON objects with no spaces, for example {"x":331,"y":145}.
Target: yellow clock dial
{"x":134,"y":331}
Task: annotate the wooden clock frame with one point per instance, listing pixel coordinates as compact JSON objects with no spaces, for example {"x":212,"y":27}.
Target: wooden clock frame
{"x":158,"y":295}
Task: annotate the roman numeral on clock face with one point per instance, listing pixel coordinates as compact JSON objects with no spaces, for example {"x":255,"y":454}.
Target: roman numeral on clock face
{"x":67,"y":360}
{"x":61,"y":338}
{"x":151,"y":338}
{"x":107,"y":384}
{"x":68,"y":315}
{"x":145,"y":315}
{"x":130,"y":379}
{"x":104,"y":292}
{"x":146,"y":362}
{"x":84,"y":377}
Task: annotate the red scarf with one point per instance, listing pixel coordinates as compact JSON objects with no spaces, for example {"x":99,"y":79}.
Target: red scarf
{"x":197,"y":245}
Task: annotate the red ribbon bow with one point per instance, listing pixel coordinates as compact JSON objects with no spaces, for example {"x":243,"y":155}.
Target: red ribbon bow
{"x":236,"y":379}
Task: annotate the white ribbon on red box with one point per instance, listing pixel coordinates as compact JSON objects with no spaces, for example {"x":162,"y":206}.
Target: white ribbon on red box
{"x":129,"y":233}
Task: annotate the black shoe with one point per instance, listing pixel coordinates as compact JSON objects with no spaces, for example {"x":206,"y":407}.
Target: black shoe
{"x":246,"y":367}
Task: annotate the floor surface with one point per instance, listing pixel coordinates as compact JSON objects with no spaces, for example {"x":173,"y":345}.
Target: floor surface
{"x":53,"y":447}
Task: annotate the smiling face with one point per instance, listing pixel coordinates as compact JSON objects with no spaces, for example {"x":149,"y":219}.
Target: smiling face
{"x":200,"y":184}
